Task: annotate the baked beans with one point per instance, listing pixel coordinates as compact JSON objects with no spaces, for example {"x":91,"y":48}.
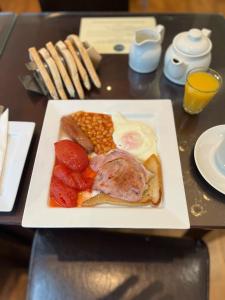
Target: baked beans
{"x":98,"y":127}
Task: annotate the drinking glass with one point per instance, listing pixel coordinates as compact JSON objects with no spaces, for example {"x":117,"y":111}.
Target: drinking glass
{"x":200,"y":88}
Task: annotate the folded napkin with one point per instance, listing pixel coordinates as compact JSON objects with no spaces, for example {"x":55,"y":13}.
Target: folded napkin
{"x":4,"y":117}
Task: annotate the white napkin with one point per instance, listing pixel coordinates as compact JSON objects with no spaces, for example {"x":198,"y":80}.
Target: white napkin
{"x":3,"y":138}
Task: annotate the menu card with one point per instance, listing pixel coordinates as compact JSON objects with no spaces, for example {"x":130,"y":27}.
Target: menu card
{"x":113,"y":35}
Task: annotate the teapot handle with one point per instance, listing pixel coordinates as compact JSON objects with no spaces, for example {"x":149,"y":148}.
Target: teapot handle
{"x":206,"y":32}
{"x":161,"y":30}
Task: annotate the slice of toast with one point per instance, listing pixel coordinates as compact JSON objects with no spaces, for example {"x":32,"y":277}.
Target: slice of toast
{"x":71,"y":66}
{"x":86,"y":59}
{"x":35,"y":57}
{"x":154,"y":189}
{"x":151,"y":196}
{"x":82,"y":72}
{"x":62,"y":69}
{"x":102,"y":198}
{"x":54,"y":72}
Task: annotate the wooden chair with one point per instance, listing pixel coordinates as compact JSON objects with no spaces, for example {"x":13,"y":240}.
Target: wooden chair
{"x":95,"y":264}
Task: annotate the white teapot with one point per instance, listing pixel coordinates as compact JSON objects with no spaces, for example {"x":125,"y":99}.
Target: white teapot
{"x":190,"y":49}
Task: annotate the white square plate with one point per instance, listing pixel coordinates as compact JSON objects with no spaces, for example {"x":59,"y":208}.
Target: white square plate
{"x":19,"y":138}
{"x":171,"y":214}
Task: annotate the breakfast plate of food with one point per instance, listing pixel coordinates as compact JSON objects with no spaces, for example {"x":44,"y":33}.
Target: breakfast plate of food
{"x":107,"y":164}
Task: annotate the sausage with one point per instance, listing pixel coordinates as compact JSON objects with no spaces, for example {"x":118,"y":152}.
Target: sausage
{"x":74,"y":131}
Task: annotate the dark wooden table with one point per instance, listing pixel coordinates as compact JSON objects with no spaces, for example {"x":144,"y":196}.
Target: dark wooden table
{"x":206,"y":205}
{"x":7,"y":22}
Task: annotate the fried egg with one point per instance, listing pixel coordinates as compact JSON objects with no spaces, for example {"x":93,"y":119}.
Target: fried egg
{"x":134,"y":137}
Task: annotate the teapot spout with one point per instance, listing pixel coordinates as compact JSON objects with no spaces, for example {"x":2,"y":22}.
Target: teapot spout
{"x":176,"y":68}
{"x":160,"y":29}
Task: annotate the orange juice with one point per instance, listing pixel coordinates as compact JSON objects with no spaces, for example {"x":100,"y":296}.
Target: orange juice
{"x":200,"y":88}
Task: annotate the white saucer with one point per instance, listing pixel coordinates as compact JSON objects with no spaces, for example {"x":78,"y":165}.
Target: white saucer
{"x":204,"y":154}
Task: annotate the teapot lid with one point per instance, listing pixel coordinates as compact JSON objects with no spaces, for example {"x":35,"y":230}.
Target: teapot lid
{"x":194,"y":42}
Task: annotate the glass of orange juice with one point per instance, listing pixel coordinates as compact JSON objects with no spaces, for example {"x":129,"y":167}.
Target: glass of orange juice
{"x":200,"y":88}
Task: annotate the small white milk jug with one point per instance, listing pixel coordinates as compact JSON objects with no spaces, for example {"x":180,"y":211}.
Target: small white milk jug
{"x":146,"y":49}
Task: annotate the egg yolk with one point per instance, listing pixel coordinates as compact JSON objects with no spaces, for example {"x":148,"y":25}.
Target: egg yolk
{"x":131,"y":140}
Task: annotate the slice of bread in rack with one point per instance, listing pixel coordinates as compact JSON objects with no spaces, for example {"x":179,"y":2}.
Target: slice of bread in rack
{"x":54,"y":72}
{"x":151,"y":196}
{"x":71,"y":66}
{"x":86,"y":59}
{"x":80,"y":67}
{"x":62,"y":70}
{"x":35,"y":57}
